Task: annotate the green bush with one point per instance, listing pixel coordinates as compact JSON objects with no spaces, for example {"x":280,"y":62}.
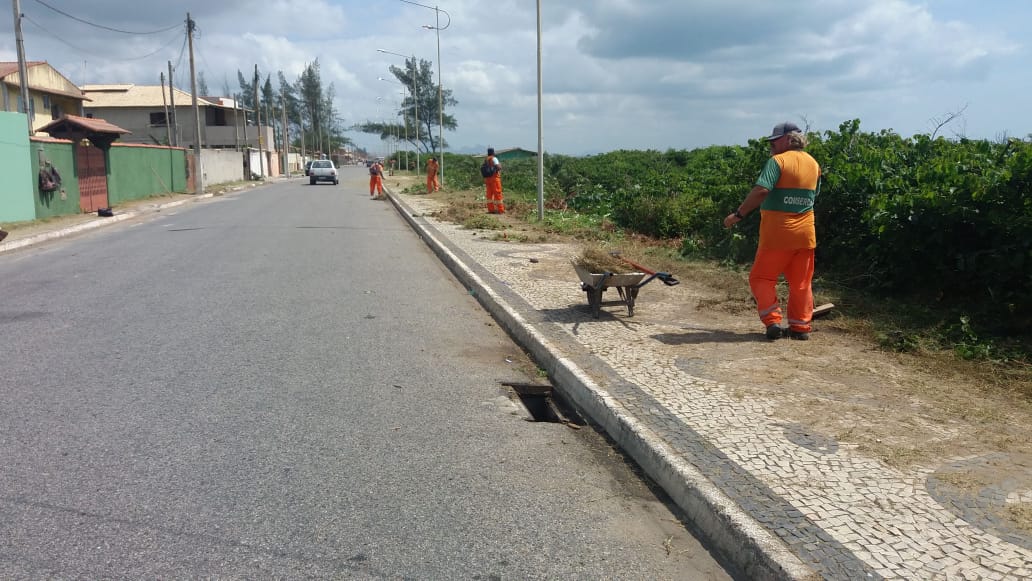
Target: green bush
{"x":940,"y":220}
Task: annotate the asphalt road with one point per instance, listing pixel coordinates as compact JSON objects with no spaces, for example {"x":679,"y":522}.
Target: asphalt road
{"x":285,"y":383}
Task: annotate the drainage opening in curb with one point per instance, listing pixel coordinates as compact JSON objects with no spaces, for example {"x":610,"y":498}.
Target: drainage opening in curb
{"x":544,"y":405}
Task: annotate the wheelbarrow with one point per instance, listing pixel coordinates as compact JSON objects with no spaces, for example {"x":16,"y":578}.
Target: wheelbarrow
{"x":626,"y":284}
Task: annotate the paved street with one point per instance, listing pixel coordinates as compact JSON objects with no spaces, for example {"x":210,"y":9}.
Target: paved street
{"x":285,"y":382}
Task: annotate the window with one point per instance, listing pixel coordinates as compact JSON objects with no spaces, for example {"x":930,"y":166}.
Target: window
{"x":158,"y":120}
{"x":32,"y":106}
{"x":46,"y":101}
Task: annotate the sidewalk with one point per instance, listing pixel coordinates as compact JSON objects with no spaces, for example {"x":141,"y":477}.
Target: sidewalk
{"x":778,"y":499}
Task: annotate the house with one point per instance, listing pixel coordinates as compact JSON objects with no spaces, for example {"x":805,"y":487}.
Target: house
{"x":51,"y":94}
{"x":150,"y":110}
{"x":513,"y":153}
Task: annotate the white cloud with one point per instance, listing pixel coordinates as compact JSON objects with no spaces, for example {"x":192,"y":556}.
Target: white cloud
{"x":617,"y":73}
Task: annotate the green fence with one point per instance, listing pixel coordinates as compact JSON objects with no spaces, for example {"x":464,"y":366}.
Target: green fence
{"x":60,"y":155}
{"x":16,"y":185}
{"x":141,"y":171}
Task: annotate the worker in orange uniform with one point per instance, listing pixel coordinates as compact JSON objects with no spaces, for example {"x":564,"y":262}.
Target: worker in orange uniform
{"x":785,"y":193}
{"x":431,"y":175}
{"x":376,"y":178}
{"x":491,"y":171}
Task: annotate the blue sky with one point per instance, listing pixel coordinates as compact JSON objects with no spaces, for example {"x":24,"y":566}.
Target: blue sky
{"x":618,"y":74}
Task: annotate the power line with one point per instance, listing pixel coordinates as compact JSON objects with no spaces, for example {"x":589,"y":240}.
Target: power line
{"x":179,"y":59}
{"x":76,"y":18}
{"x":106,"y":56}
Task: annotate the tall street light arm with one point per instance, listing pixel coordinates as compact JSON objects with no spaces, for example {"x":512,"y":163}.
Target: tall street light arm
{"x":440,"y":90}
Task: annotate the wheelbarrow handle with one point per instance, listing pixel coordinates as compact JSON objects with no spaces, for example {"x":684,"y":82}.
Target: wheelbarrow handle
{"x":666,"y":277}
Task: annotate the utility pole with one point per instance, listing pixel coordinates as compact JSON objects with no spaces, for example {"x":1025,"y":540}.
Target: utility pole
{"x":164,"y":103}
{"x":22,"y":69}
{"x":172,"y":102}
{"x":415,"y":106}
{"x":199,"y":178}
{"x":286,"y":136}
{"x":258,"y":120}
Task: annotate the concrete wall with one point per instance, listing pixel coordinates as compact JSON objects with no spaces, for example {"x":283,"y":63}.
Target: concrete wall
{"x":16,"y":189}
{"x":271,"y":164}
{"x":61,"y":154}
{"x":222,"y":166}
{"x":141,"y":171}
{"x":295,"y":163}
{"x":138,"y":122}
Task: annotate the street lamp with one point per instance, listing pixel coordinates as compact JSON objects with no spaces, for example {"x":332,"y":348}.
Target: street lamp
{"x":404,"y":117}
{"x":415,"y":95}
{"x":440,"y":95}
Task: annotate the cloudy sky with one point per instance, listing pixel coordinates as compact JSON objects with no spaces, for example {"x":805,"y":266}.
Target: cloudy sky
{"x":617,"y":74}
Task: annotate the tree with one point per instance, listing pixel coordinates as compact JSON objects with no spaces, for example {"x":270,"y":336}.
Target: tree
{"x":421,"y":100}
{"x":202,"y":85}
{"x":317,"y":112}
{"x":246,"y":96}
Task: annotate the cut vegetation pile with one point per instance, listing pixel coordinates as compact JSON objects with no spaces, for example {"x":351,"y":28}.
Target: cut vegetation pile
{"x":597,"y":260}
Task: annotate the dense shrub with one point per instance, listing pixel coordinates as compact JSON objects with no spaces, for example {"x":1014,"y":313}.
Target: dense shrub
{"x":934,"y":219}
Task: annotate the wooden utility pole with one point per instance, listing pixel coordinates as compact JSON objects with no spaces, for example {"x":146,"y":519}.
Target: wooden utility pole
{"x":164,"y":103}
{"x":22,"y":69}
{"x":286,"y":133}
{"x":258,"y":120}
{"x":199,"y":177}
{"x":172,"y":103}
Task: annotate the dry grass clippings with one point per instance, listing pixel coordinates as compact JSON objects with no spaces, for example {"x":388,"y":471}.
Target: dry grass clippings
{"x":596,"y":259}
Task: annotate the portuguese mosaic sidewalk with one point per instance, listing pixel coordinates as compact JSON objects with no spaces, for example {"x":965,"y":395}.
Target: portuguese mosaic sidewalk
{"x":777,"y":499}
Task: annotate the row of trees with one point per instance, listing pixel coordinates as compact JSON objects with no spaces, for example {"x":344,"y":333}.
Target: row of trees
{"x":312,"y":119}
{"x":315,"y":124}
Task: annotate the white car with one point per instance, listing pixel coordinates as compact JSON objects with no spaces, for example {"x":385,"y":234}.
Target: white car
{"x":322,"y":170}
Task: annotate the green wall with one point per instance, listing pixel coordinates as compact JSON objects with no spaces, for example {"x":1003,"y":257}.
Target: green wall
{"x":64,"y":200}
{"x":137,"y":172}
{"x":16,"y":185}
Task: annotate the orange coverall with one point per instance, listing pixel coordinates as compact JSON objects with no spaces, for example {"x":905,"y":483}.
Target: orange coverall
{"x":787,"y":241}
{"x":375,"y":179}
{"x":495,"y":205}
{"x":431,"y":176}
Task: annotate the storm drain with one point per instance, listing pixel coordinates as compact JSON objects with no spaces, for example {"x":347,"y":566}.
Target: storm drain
{"x":544,"y":405}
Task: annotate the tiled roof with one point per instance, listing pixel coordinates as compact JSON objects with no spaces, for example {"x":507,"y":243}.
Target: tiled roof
{"x":7,"y":67}
{"x":128,"y":95}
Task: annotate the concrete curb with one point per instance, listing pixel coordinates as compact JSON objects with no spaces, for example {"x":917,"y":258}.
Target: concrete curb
{"x":755,"y":552}
{"x":98,"y":223}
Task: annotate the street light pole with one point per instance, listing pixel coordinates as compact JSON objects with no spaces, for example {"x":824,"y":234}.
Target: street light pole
{"x":440,"y":83}
{"x":541,"y":141}
{"x":404,"y":118}
{"x":415,"y":94}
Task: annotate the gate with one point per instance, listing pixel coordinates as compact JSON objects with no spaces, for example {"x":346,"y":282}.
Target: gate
{"x":92,"y":173}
